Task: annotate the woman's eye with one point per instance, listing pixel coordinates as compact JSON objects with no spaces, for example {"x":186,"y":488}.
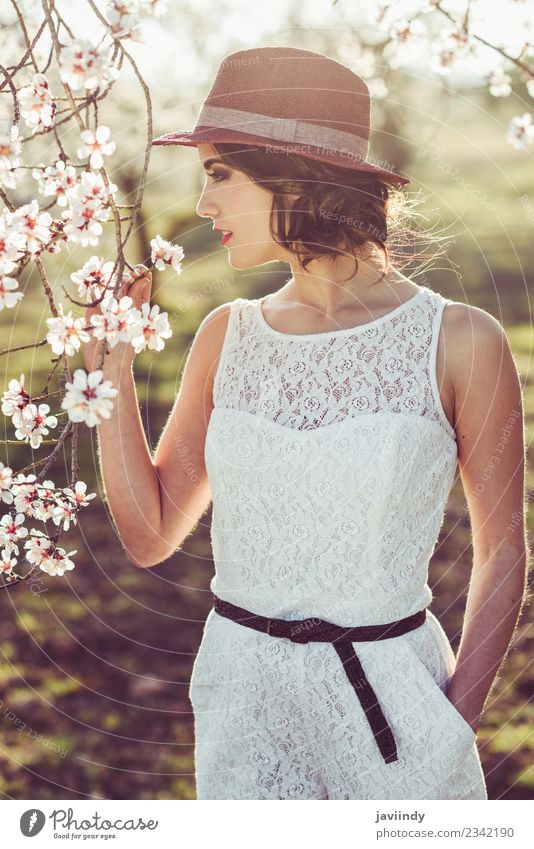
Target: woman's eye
{"x":216,"y":177}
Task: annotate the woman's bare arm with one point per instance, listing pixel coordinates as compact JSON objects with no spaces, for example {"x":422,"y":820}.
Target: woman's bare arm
{"x":488,"y":409}
{"x":156,"y":502}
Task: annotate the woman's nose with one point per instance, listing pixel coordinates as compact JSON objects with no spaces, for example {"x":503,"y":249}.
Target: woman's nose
{"x":205,"y":207}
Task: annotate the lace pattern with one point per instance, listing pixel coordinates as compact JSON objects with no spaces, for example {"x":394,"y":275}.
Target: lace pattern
{"x":330,"y":461}
{"x":387,"y":365}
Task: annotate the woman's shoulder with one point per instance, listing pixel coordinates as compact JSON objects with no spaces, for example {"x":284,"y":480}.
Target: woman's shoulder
{"x":474,"y":342}
{"x":213,"y":328}
{"x":466,"y":320}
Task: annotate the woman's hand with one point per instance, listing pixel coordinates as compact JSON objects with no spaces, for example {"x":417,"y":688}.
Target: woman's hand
{"x":138,"y":287}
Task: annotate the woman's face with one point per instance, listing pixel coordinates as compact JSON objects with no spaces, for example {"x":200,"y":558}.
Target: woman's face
{"x":235,"y":202}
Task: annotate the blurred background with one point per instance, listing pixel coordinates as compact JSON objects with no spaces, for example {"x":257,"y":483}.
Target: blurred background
{"x":97,"y":663}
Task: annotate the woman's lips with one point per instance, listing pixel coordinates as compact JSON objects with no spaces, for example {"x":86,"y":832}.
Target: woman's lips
{"x":226,"y":237}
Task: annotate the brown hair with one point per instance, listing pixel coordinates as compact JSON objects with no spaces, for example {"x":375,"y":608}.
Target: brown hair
{"x":336,"y":210}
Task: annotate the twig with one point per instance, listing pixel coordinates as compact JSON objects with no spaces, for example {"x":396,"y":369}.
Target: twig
{"x":30,"y":45}
{"x":12,"y":86}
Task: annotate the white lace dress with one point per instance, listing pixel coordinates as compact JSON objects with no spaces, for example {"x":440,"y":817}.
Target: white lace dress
{"x":330,"y":461}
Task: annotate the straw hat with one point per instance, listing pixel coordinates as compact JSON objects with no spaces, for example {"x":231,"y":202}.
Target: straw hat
{"x":285,"y":98}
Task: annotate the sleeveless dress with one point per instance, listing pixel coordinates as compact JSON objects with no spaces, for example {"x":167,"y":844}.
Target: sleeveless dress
{"x":330,"y":461}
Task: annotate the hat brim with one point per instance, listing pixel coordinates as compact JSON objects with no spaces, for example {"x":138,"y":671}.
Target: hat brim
{"x":207,"y":135}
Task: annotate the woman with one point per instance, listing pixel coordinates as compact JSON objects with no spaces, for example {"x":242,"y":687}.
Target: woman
{"x":326,"y":422}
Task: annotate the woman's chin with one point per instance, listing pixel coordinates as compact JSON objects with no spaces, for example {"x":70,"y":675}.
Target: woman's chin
{"x":241,"y":258}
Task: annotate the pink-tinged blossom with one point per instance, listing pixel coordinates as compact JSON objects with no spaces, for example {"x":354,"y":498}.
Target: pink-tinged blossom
{"x":8,"y":296}
{"x":12,"y":530}
{"x":152,"y":328}
{"x":448,"y":51}
{"x":11,"y":243}
{"x":10,"y":147}
{"x":165,"y":254}
{"x":85,"y":228}
{"x":93,"y":278}
{"x":499,"y":82}
{"x":27,"y":495}
{"x":34,"y":226}
{"x":70,"y":503}
{"x":37,"y":545}
{"x":34,"y":423}
{"x":46,"y":502}
{"x":88,"y":206}
{"x":55,"y":180}
{"x":88,"y":397}
{"x":117,"y":321}
{"x":6,"y":481}
{"x":84,"y":65}
{"x":37,"y":106}
{"x":96,"y":145}
{"x":92,"y":188}
{"x":15,"y":398}
{"x":122,"y":19}
{"x":47,"y":556}
{"x":7,"y":563}
{"x":520,"y":132}
{"x":66,"y":333}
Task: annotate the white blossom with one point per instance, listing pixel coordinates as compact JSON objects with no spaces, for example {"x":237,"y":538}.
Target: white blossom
{"x":69,"y":504}
{"x":96,"y":145}
{"x":27,"y":495}
{"x":87,"y":397}
{"x":530,"y":87}
{"x":122,"y":19}
{"x":12,"y":530}
{"x":117,"y":321}
{"x":55,"y":180}
{"x":499,"y":82}
{"x":50,"y":558}
{"x":33,"y":424}
{"x":448,"y":50}
{"x":11,"y":243}
{"x":84,"y":228}
{"x":93,"y":278}
{"x":84,"y":65}
{"x":8,"y":297}
{"x":66,"y":333}
{"x":37,"y":106}
{"x":91,"y":188}
{"x":36,"y":546}
{"x":34,"y":226}
{"x":10,"y":148}
{"x":45,"y":503}
{"x":6,"y":481}
{"x":7,"y":563}
{"x":166,"y":254}
{"x":57,"y":561}
{"x":520,"y":131}
{"x":15,"y":399}
{"x":88,"y":205}
{"x":152,"y":328}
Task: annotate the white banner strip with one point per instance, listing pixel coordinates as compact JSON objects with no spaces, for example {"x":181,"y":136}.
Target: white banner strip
{"x":188,"y":823}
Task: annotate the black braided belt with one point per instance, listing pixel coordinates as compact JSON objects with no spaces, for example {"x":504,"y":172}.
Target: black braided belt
{"x":317,"y":630}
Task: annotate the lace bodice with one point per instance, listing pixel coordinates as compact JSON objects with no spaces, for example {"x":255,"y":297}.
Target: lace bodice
{"x":330,"y":460}
{"x":314,"y":380}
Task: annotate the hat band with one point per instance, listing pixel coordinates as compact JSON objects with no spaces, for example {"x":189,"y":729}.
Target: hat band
{"x":282,"y":129}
